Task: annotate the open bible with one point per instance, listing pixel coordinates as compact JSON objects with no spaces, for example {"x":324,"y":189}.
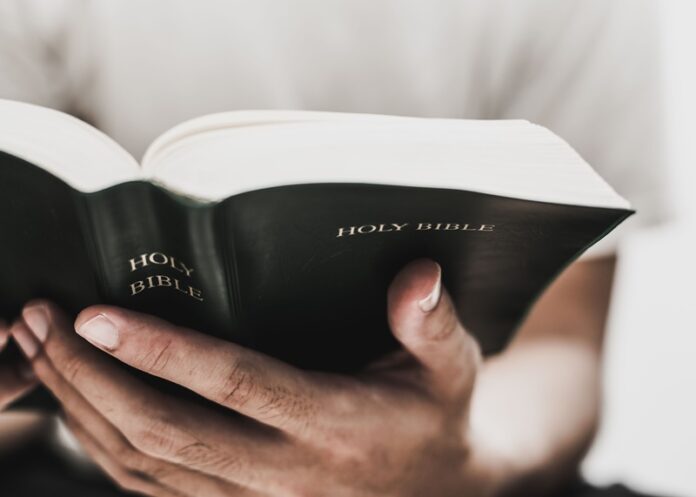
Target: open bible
{"x":281,"y":230}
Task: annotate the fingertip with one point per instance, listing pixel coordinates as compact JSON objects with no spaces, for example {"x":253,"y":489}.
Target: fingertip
{"x":99,"y":331}
{"x":414,"y":292}
{"x":42,"y":305}
{"x":36,"y":317}
{"x":89,"y":313}
{"x":26,"y":340}
{"x":109,"y":327}
{"x":421,"y":313}
{"x":111,"y":311}
{"x":99,"y":325}
{"x":415,"y":281}
{"x":86,"y":314}
{"x":432,"y":299}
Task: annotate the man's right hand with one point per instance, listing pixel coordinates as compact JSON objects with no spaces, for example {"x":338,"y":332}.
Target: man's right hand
{"x":16,"y":379}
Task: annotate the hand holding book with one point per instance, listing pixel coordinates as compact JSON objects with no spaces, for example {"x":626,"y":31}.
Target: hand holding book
{"x":401,"y":427}
{"x":232,"y":222}
{"x":275,"y":236}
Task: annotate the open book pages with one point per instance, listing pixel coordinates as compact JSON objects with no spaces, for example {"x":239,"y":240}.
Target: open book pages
{"x":213,"y":157}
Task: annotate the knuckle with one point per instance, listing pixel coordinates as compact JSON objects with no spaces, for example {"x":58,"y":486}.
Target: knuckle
{"x":286,"y":407}
{"x":139,"y":466}
{"x":42,"y":369}
{"x":238,"y":387}
{"x":155,"y":471}
{"x":345,"y":404}
{"x":200,"y":455}
{"x":155,"y":437}
{"x":342,"y":449}
{"x":272,"y":401}
{"x":157,"y":355}
{"x":71,"y":367}
{"x":129,"y":457}
{"x":193,"y":452}
{"x":347,"y":453}
{"x":444,"y":328}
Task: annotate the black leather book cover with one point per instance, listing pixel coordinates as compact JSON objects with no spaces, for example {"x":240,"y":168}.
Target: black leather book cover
{"x":299,"y":272}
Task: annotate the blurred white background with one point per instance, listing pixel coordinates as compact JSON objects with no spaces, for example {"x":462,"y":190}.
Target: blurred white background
{"x":648,"y":438}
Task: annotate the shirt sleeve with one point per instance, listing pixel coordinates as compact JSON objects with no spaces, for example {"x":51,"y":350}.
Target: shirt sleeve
{"x":33,"y":49}
{"x":589,"y":70}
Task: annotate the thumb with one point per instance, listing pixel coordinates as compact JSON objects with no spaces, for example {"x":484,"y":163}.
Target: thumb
{"x":423,"y":319}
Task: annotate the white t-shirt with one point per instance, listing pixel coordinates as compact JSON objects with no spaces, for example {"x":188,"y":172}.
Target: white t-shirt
{"x":587,"y":69}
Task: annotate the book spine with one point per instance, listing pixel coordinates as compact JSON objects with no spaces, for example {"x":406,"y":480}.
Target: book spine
{"x":158,"y":253}
{"x":227,"y":248}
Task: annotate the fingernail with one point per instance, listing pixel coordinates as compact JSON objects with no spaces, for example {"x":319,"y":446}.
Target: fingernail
{"x":429,"y":302}
{"x":37,"y":321}
{"x":100,"y":331}
{"x":26,"y":341}
{"x":26,"y":371}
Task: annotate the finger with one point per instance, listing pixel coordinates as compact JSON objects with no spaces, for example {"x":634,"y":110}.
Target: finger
{"x":171,"y":479}
{"x":125,"y":479}
{"x":127,"y":475}
{"x":70,"y":399}
{"x":135,"y":467}
{"x":154,"y":424}
{"x":255,"y":385}
{"x":423,"y":319}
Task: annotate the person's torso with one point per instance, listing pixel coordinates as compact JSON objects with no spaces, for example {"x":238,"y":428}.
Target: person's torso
{"x":145,"y":68}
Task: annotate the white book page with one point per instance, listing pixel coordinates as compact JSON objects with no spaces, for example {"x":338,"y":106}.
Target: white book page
{"x":217,"y":156}
{"x":65,"y":146}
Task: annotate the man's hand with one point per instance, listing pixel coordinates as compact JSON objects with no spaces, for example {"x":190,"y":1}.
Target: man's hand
{"x":399,"y":429}
{"x":411,"y":425}
{"x":15,"y":379}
